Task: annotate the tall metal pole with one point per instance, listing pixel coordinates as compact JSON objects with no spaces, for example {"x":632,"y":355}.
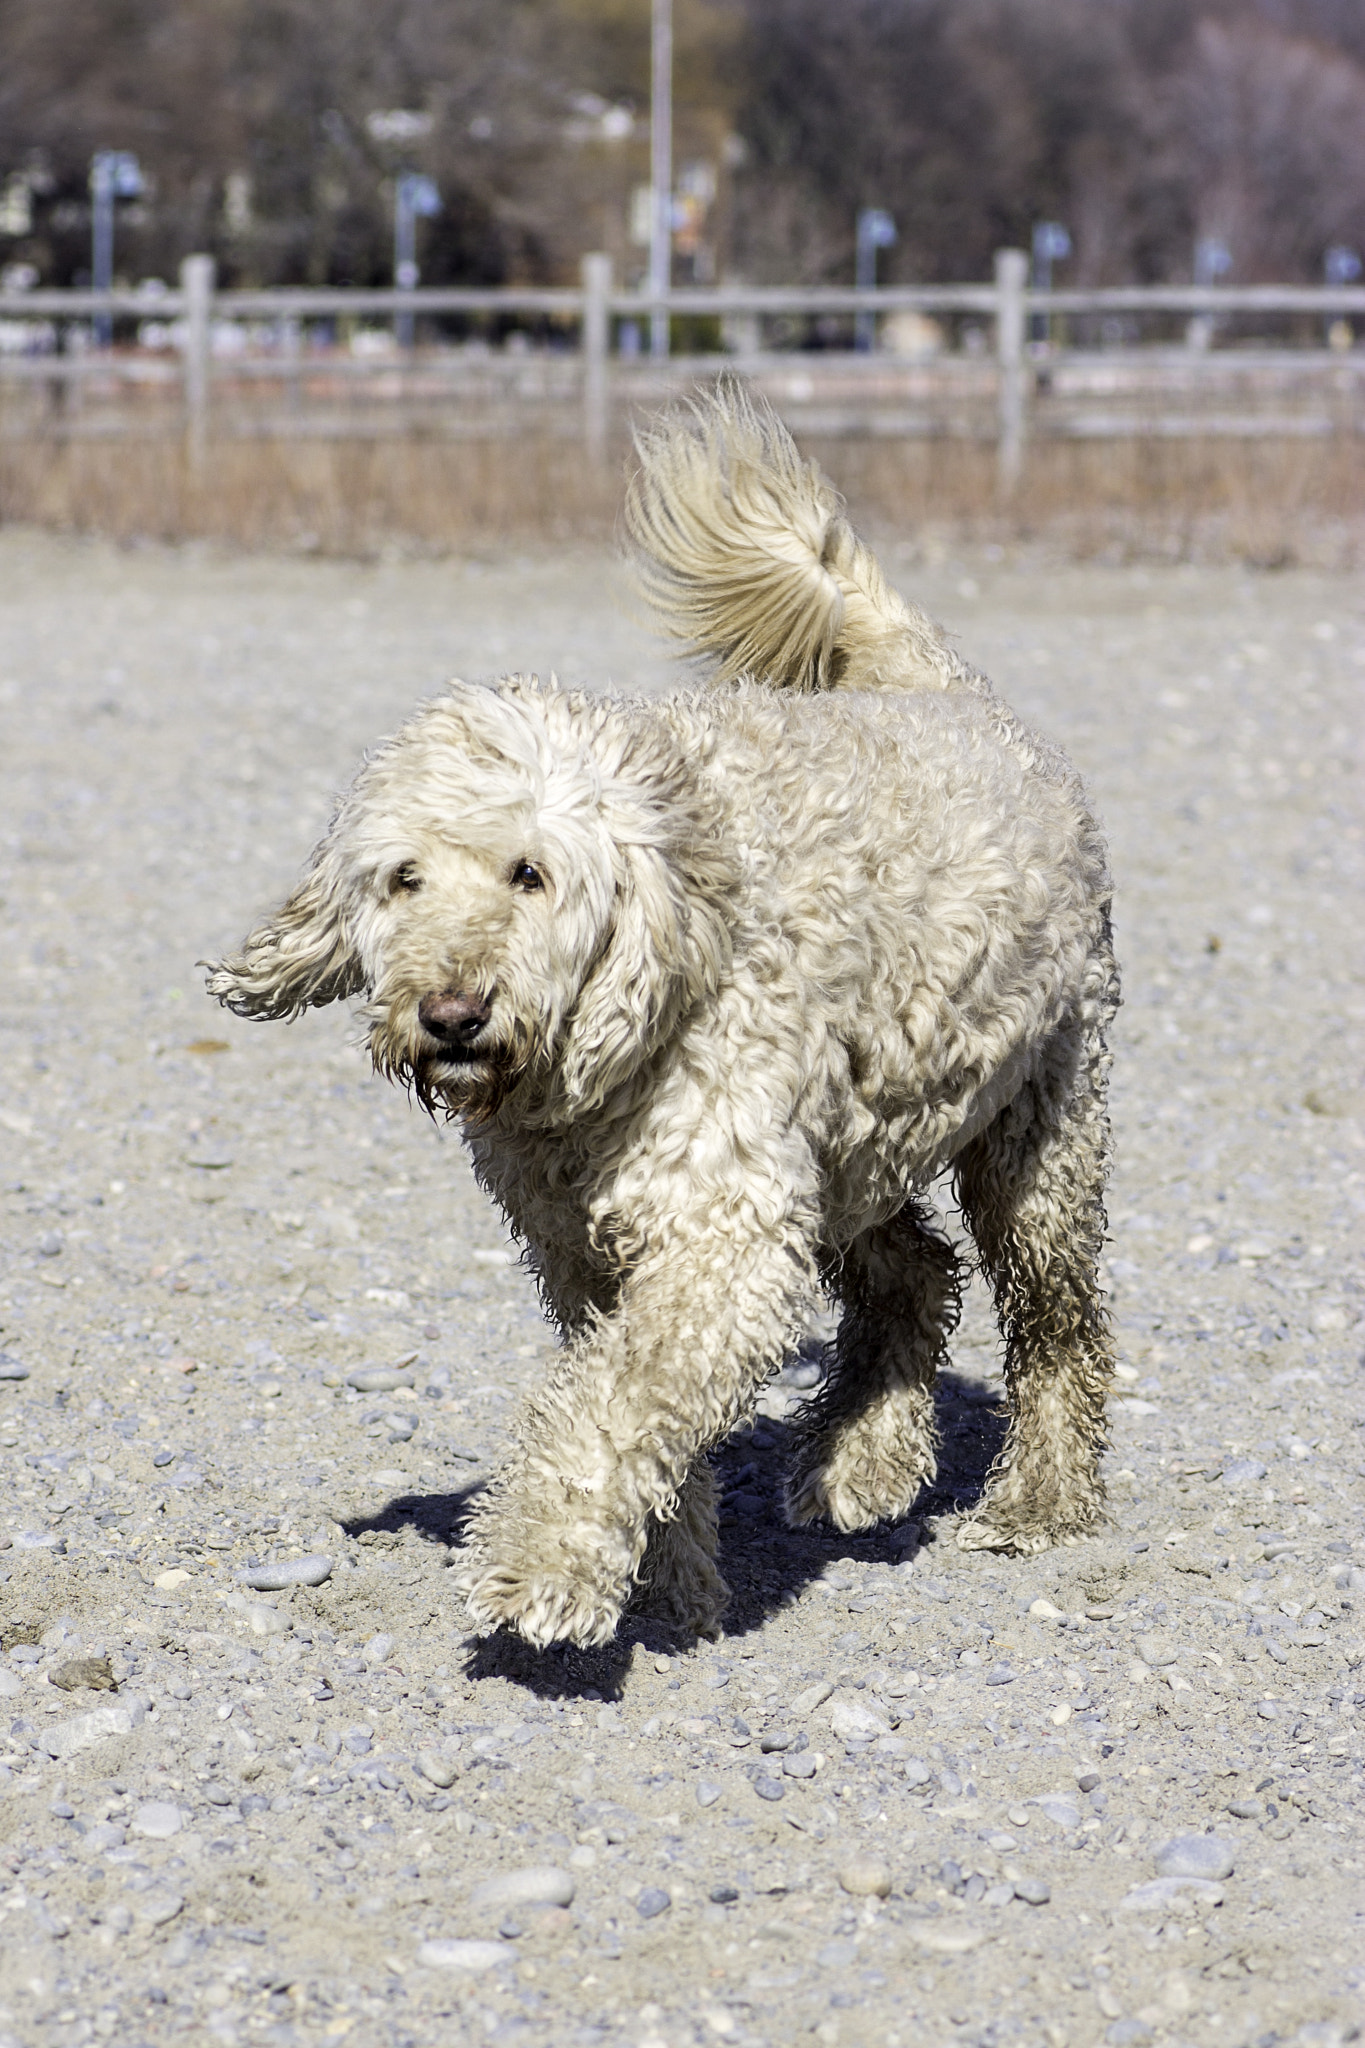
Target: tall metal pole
{"x":102,"y":237}
{"x":404,"y":255}
{"x":661,"y":169}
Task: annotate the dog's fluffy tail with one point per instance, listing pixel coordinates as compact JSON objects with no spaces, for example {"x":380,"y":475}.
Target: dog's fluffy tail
{"x":744,"y":552}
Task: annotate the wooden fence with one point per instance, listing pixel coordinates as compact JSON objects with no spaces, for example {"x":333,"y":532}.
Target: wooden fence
{"x":1006,"y":388}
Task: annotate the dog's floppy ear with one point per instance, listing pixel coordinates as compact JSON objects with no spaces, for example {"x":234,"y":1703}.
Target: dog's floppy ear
{"x":669,"y":940}
{"x":301,"y":957}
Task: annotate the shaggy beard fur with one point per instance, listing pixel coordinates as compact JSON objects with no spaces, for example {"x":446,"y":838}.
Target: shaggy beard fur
{"x":727,"y":980}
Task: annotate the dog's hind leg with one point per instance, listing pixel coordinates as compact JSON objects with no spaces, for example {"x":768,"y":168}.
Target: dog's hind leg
{"x":867,"y":1443}
{"x":1031,"y":1187}
{"x":678,"y":1580}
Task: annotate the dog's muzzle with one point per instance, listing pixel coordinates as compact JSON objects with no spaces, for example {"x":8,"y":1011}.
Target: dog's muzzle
{"x":455,"y":1019}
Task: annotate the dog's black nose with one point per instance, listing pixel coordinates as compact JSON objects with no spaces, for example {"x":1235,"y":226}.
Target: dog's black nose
{"x":454,"y":1015}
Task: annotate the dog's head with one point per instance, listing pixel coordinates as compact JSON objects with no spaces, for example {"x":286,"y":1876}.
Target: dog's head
{"x":527,"y":885}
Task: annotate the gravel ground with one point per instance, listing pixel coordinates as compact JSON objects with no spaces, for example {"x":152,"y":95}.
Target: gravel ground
{"x":253,"y":1311}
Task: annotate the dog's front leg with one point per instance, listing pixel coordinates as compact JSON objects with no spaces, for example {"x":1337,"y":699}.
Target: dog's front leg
{"x":607,"y":1445}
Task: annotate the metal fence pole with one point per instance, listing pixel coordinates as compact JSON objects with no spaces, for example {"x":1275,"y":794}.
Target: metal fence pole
{"x":1011,"y":277}
{"x":596,"y":275}
{"x":196,"y":285}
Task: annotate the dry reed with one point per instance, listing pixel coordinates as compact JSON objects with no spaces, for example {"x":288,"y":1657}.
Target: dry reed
{"x":1271,"y":502}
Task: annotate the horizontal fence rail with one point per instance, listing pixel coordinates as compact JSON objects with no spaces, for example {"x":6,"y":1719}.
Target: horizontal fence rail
{"x":1019,"y":377}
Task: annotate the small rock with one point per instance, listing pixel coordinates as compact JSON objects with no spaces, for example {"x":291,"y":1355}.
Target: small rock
{"x":802,"y":1765}
{"x":155,"y":1907}
{"x":707,"y":1793}
{"x":1196,"y":1856}
{"x":1034,"y":1891}
{"x":1267,"y":1710}
{"x":50,"y":1244}
{"x":652,"y":1901}
{"x":769,"y":1788}
{"x":471,"y":1956}
{"x":292,"y":1571}
{"x":538,"y":1885}
{"x":814,"y":1696}
{"x":917,"y":1771}
{"x":1045,"y":1611}
{"x":217,"y":1793}
{"x":379,"y":1379}
{"x":1127,"y":2034}
{"x":11,"y":1685}
{"x":93,"y":1674}
{"x":1156,"y":1651}
{"x":1062,"y":1812}
{"x":262,"y":1618}
{"x":1000,"y":1674}
{"x":1242,"y":1471}
{"x":377,"y":1650}
{"x":865,"y":1877}
{"x":715,"y":1678}
{"x":853,"y":1722}
{"x":436,"y":1769}
{"x":68,"y":1737}
{"x":12,"y":1368}
{"x":158,"y":1820}
{"x":166,"y":1582}
{"x":997,"y":1895}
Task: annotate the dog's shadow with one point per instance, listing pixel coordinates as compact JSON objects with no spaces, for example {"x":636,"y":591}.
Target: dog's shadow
{"x":766,"y":1565}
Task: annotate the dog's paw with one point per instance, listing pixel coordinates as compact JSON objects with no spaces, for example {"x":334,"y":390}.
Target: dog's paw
{"x":539,"y":1606}
{"x":820,"y":1496}
{"x":1021,"y":1539}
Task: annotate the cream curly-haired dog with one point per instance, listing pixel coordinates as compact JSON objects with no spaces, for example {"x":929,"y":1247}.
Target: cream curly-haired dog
{"x":718,"y":984}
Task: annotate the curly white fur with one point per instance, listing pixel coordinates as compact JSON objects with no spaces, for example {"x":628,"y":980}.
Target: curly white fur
{"x":737,"y":973}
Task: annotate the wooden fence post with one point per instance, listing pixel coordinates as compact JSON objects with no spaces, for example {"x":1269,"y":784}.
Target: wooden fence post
{"x":596,"y":346}
{"x":196,"y":285}
{"x":1011,"y":276}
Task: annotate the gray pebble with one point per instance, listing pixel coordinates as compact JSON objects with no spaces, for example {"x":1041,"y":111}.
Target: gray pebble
{"x":217,"y":1793}
{"x":707,"y":1792}
{"x":769,"y":1788}
{"x":158,"y":1819}
{"x":437,"y":1769}
{"x":1156,"y":1651}
{"x":917,"y":1771}
{"x":377,"y":1650}
{"x":1195,"y":1856}
{"x":50,"y":1244}
{"x":814,"y":1696}
{"x":1034,"y":1891}
{"x":1267,"y":1710}
{"x":12,"y":1369}
{"x":802,"y":1765}
{"x":542,"y":1885}
{"x":379,"y":1379}
{"x":715,"y":1679}
{"x":291,"y":1571}
{"x":1000,"y":1675}
{"x":652,"y":1901}
{"x":1242,"y":1471}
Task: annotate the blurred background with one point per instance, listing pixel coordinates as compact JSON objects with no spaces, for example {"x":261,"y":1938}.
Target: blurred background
{"x":1136,"y":153}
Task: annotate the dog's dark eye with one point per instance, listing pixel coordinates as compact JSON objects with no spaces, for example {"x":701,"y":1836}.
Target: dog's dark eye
{"x":524,"y":876}
{"x":407,"y":878}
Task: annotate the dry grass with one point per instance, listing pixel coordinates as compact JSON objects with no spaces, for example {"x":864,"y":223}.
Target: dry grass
{"x":1267,"y":502}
